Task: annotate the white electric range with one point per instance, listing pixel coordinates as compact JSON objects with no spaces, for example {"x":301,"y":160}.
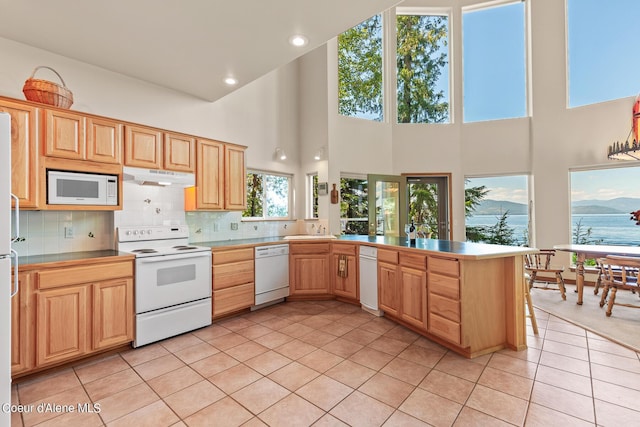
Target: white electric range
{"x":172,"y":281}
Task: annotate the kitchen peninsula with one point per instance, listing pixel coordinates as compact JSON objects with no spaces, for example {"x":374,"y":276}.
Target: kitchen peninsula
{"x":468,"y":297}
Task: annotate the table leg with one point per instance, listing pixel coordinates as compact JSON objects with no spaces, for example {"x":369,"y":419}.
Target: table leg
{"x":580,"y":275}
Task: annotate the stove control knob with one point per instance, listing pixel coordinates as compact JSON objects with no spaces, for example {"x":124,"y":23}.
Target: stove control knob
{"x":141,"y":232}
{"x":135,"y":232}
{"x":148,"y":231}
{"x":128,"y":232}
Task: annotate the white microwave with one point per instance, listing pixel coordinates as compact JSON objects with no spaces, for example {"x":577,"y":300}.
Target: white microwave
{"x":73,"y":188}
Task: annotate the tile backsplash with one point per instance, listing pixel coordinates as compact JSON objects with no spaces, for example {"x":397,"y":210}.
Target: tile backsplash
{"x":47,"y":232}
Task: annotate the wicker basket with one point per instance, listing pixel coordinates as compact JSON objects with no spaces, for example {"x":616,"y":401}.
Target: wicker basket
{"x":47,"y":92}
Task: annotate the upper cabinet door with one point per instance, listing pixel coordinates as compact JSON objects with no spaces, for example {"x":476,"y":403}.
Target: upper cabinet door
{"x":235,"y":178}
{"x":104,"y":141}
{"x":143,"y":147}
{"x":208,"y":193}
{"x":24,"y":152}
{"x":64,"y":135}
{"x":179,"y":152}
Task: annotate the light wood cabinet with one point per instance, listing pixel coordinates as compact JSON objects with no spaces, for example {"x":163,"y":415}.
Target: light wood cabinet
{"x":388,"y":282}
{"x":413,"y":288}
{"x":64,"y":135}
{"x":309,"y":269}
{"x":24,"y":152}
{"x":235,"y":178}
{"x":444,"y":299}
{"x":104,"y":140}
{"x":233,"y":280}
{"x":21,"y":327}
{"x":179,"y":152}
{"x":142,"y":147}
{"x":345,"y":286}
{"x":112,"y":313}
{"x":221,"y":178}
{"x":208,"y":193}
{"x":82,"y":309}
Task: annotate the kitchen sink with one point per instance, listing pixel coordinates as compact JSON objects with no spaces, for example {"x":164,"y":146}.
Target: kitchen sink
{"x":309,"y":236}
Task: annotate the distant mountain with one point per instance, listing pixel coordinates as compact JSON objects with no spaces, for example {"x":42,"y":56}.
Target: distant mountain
{"x":498,"y":207}
{"x":618,"y":205}
{"x":621,"y":204}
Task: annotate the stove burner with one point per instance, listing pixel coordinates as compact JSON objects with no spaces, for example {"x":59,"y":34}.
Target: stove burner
{"x":184,"y":248}
{"x":145,"y":251}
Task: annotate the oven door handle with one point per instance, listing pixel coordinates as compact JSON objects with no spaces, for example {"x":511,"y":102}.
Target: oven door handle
{"x":165,"y":258}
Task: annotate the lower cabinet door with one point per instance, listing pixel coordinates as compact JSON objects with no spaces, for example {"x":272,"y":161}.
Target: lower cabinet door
{"x":388,"y":291}
{"x":61,"y":324}
{"x":112,"y":313}
{"x":414,"y":296}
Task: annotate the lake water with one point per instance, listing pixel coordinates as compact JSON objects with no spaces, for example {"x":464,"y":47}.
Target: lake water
{"x":611,"y":229}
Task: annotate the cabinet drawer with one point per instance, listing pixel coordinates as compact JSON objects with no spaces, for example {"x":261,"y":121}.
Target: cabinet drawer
{"x":54,"y":278}
{"x":444,"y":285}
{"x":385,"y":255}
{"x":444,"y":328}
{"x":309,"y":248}
{"x":444,"y":307}
{"x":413,"y":260}
{"x":450,"y":267}
{"x":233,"y":299}
{"x":236,"y":273}
{"x":338,"y":248}
{"x":234,"y":255}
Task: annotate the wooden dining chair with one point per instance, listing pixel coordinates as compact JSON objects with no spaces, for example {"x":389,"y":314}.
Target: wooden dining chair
{"x":618,"y":272}
{"x":541,"y":262}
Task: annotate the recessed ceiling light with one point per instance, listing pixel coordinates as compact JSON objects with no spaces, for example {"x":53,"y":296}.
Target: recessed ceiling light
{"x":230,"y":81}
{"x":298,"y":40}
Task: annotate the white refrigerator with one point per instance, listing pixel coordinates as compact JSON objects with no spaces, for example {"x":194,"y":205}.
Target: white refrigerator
{"x":7,"y":288}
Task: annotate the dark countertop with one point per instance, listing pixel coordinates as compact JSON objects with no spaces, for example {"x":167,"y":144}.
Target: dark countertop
{"x":459,"y":249}
{"x":35,"y":261}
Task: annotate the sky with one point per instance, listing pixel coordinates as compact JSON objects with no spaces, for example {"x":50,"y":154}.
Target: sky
{"x":602,"y":39}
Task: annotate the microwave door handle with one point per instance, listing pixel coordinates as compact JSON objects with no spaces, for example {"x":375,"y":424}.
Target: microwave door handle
{"x":16,"y":282}
{"x":17,"y":216}
{"x":164,"y":258}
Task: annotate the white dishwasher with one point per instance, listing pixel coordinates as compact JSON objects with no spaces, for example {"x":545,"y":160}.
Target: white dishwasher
{"x":369,"y":279}
{"x":271,"y":273}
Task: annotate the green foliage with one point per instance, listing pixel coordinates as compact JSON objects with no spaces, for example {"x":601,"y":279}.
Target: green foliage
{"x":423,"y":207}
{"x":254,"y":195}
{"x":420,"y":61}
{"x":582,"y":236}
{"x":354,"y":204}
{"x":501,"y":233}
{"x":267,"y":196}
{"x":472,"y":198}
{"x":360,"y":69}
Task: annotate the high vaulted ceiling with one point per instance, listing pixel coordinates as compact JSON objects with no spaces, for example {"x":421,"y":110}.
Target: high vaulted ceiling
{"x":187,"y":45}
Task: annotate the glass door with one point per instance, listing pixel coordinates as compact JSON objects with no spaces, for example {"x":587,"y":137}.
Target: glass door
{"x":388,"y":194}
{"x":429,"y":205}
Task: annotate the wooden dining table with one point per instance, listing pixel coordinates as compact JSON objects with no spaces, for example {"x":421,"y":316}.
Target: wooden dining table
{"x":584,"y":252}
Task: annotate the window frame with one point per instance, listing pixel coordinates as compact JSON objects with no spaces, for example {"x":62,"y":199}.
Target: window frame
{"x":290,"y":205}
{"x":312,"y":200}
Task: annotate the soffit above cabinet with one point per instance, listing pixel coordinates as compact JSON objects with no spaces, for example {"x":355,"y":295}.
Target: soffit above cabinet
{"x":189,"y":46}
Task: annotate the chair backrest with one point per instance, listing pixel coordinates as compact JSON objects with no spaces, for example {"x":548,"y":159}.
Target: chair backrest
{"x":620,"y":271}
{"x":540,"y":260}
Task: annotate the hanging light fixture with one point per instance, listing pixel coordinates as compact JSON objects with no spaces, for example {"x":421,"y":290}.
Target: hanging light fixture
{"x":628,"y":150}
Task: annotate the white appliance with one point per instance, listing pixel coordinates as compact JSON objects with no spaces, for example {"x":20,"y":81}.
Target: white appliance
{"x":369,"y":279}
{"x":74,"y":188}
{"x":7,"y":288}
{"x":271,"y":274}
{"x":172,"y":281}
{"x":157,"y":177}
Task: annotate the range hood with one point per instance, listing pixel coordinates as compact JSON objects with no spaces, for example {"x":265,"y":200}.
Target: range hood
{"x":157,"y":177}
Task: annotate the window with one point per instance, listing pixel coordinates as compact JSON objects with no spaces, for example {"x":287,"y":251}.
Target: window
{"x":494,"y":62}
{"x":497,"y":210}
{"x":422,"y":66}
{"x":268,"y":195}
{"x":601,"y":200}
{"x":312,"y":199}
{"x":360,"y":70}
{"x":354,"y":204}
{"x":601,"y":46}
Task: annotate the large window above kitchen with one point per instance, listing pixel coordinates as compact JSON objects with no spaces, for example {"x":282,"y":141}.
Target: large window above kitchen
{"x":354,"y":204}
{"x":422,"y":66}
{"x":360,"y":70}
{"x":494,"y":61}
{"x":601,"y":50}
{"x":269,"y":196}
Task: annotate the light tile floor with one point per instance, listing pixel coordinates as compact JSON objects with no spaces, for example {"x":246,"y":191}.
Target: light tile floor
{"x":327,"y":363}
